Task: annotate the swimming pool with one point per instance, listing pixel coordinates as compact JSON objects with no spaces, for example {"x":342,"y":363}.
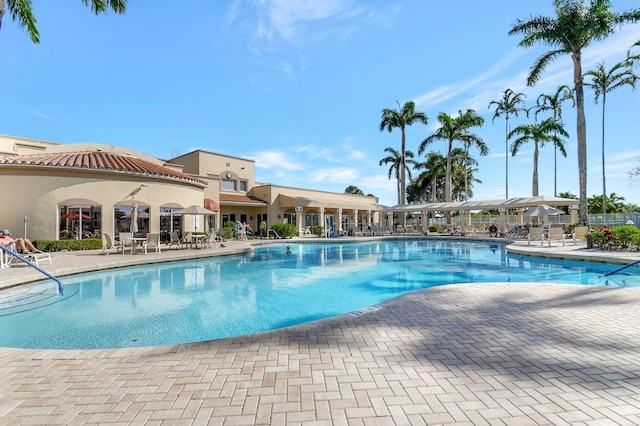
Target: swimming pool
{"x":219,"y":297}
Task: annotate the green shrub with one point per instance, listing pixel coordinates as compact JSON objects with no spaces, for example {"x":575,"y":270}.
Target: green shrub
{"x":68,"y":245}
{"x":285,"y":230}
{"x":318,"y":230}
{"x":626,"y":237}
{"x":434,"y":228}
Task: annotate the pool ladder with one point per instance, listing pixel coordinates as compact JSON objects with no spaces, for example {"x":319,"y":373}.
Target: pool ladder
{"x":275,"y":233}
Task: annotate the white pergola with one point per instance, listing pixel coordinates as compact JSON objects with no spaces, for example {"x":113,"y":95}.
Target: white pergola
{"x":503,"y":206}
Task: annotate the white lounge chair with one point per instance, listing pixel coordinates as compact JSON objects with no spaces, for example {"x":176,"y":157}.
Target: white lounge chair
{"x":36,"y":258}
{"x":174,"y":239}
{"x":108,"y":244}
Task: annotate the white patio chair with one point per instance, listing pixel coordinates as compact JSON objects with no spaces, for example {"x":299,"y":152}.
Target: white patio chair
{"x":126,"y":241}
{"x":152,"y":241}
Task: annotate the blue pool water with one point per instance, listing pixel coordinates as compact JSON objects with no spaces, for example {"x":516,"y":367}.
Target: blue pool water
{"x":220,"y":297}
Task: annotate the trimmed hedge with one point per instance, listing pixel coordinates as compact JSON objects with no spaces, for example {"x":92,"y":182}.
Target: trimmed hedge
{"x":68,"y":245}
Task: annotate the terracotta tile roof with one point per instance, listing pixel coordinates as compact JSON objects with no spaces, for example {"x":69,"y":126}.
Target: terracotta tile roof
{"x":104,"y":161}
{"x":234,"y":198}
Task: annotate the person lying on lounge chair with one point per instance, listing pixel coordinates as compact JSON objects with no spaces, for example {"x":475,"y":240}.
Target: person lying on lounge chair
{"x":20,"y":243}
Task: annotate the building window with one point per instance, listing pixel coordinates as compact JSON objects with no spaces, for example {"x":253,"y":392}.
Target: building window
{"x":290,"y":218}
{"x":228,"y":185}
{"x":311,"y":219}
{"x":243,"y":185}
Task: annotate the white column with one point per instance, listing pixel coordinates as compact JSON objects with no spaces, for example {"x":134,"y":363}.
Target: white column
{"x":340,"y":221}
{"x":355,"y":220}
{"x":503,"y":218}
{"x":321,"y":219}
{"x":299,"y":223}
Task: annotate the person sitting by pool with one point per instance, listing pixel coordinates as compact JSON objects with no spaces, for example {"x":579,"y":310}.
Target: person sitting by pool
{"x":20,"y":244}
{"x":493,"y":230}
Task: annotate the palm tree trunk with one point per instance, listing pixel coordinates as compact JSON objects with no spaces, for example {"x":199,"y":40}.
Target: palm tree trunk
{"x":506,"y":156}
{"x":447,"y":184}
{"x":604,"y":185}
{"x":434,"y":187}
{"x":555,"y":159}
{"x":534,"y":185}
{"x":581,"y":131}
{"x":403,"y":194}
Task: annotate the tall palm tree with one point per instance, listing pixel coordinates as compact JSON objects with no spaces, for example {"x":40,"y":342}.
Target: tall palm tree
{"x":603,"y":82}
{"x":432,"y":178}
{"x":473,"y":120}
{"x":577,"y":23}
{"x":463,"y":174}
{"x":507,"y":105}
{"x":395,"y":159}
{"x":540,"y":133}
{"x":455,"y":129}
{"x":554,"y":102}
{"x":614,"y":204}
{"x":21,"y":11}
{"x":402,"y":117}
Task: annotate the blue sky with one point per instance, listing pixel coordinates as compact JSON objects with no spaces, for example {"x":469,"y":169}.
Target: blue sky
{"x":299,"y":86}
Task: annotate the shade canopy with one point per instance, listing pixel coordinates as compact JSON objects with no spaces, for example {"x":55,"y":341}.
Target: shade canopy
{"x":511,"y":203}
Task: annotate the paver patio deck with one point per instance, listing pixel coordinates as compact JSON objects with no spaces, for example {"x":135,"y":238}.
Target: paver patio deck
{"x":459,"y":354}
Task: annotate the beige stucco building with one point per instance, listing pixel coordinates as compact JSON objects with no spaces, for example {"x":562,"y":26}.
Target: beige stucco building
{"x":55,"y":190}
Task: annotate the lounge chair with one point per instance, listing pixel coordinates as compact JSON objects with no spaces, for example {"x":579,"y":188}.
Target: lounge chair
{"x":174,"y":240}
{"x":307,"y":231}
{"x":7,"y":259}
{"x":36,"y":258}
{"x":152,"y":241}
{"x":187,"y":240}
{"x":108,"y":244}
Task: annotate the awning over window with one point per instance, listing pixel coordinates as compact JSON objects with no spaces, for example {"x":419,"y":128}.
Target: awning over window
{"x":211,"y":205}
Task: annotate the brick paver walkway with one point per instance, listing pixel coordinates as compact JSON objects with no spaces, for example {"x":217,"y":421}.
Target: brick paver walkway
{"x":513,"y":354}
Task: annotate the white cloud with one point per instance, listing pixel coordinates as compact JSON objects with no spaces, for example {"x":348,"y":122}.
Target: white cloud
{"x":334,"y":175}
{"x":276,"y":159}
{"x":481,"y":89}
{"x":314,"y":152}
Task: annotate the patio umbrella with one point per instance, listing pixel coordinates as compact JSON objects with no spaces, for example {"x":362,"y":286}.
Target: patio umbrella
{"x":194,"y":210}
{"x":542,"y":211}
{"x":133,"y":227}
{"x":74,"y":216}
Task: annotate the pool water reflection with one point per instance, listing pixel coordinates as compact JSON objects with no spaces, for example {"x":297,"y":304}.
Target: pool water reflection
{"x":220,"y":297}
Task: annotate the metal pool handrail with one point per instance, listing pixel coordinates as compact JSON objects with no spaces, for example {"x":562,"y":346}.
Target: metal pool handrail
{"x":37,"y":268}
{"x":622,"y":268}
